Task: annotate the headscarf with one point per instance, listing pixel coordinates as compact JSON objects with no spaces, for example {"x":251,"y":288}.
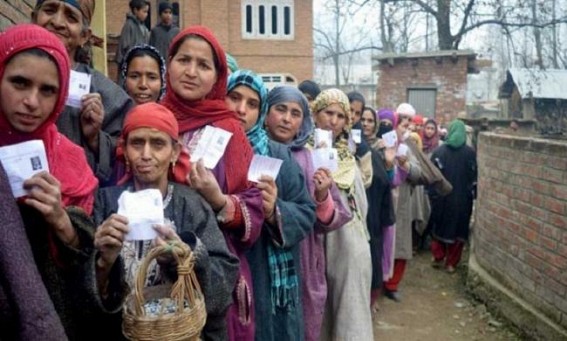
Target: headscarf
{"x":310,"y":87}
{"x":405,"y":109}
{"x":288,"y":93}
{"x":386,"y":114}
{"x":67,"y":162}
{"x":256,"y":135}
{"x":231,"y":62}
{"x":153,"y":115}
{"x":87,"y":7}
{"x":213,"y":111}
{"x":345,"y":175}
{"x":430,"y":143}
{"x":417,"y":139}
{"x":151,"y":52}
{"x":373,"y":138}
{"x":418,"y":120}
{"x":457,"y":135}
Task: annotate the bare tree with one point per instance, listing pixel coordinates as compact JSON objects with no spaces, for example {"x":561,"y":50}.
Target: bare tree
{"x":340,"y":42}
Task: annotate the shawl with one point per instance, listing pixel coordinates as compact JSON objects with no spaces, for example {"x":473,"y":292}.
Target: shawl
{"x":287,"y":93}
{"x":430,"y":143}
{"x":67,"y":162}
{"x":144,"y":50}
{"x":457,"y":135}
{"x":345,"y":175}
{"x":153,"y":115}
{"x":256,"y":135}
{"x":212,"y":110}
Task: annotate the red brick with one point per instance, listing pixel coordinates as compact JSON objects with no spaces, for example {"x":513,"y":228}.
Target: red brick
{"x":558,"y":220}
{"x":553,"y":175}
{"x":548,"y":243}
{"x":557,"y":162}
{"x":559,"y":192}
{"x":555,"y":205}
{"x":551,"y":232}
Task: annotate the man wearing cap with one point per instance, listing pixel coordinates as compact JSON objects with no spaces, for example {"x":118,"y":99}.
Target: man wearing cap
{"x":163,"y":33}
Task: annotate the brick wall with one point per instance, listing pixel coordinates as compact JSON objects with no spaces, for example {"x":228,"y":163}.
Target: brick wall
{"x":224,"y":19}
{"x":15,"y":12}
{"x":520,"y":235}
{"x":447,"y":76}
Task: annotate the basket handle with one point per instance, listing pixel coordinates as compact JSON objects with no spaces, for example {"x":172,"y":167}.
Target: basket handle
{"x":186,"y":276}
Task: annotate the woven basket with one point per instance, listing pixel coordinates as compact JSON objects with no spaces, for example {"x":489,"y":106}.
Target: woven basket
{"x":184,"y":324}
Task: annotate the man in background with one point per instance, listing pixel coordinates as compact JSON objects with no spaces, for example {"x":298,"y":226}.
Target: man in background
{"x":163,"y":33}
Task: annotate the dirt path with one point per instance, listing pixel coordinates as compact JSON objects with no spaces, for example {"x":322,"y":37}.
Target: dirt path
{"x":435,"y":307}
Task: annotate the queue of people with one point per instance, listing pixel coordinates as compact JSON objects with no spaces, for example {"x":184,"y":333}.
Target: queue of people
{"x":302,"y":256}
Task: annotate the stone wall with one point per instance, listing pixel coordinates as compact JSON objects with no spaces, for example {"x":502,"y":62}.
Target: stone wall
{"x":520,"y":233}
{"x":15,"y":12}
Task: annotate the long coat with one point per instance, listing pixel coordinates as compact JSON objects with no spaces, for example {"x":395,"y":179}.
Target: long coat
{"x":404,"y":211}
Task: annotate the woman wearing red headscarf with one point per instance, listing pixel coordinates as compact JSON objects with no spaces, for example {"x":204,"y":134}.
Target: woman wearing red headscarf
{"x":56,"y":208}
{"x":196,"y":89}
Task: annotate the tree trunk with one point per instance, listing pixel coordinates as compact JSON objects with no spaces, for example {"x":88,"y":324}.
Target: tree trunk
{"x":386,"y":46}
{"x":443,"y":17}
{"x":537,"y":35}
{"x":337,"y":56}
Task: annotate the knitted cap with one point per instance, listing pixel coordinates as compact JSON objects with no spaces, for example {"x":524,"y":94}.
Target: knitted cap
{"x":405,"y":109}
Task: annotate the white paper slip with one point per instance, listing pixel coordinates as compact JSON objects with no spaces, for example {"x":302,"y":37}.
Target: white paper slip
{"x":21,"y":161}
{"x":323,"y":138}
{"x":143,"y":209}
{"x":211,"y":146}
{"x":325,"y":158}
{"x":390,"y":139}
{"x":263,"y":165}
{"x":79,"y":85}
{"x":356,"y":135}
{"x":402,"y":150}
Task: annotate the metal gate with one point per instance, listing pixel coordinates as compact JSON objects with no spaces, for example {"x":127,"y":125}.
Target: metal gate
{"x":423,"y":100}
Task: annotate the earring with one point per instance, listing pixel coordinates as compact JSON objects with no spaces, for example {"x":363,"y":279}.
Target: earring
{"x":127,"y":166}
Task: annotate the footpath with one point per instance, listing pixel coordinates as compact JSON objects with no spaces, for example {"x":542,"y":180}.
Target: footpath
{"x":436,"y":307}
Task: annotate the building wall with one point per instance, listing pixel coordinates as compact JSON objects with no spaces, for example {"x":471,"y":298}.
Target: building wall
{"x":520,"y":233}
{"x":449,"y":78}
{"x":15,"y":12}
{"x":223,"y":17}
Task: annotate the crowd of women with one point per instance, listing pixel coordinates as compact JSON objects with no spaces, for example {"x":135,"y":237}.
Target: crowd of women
{"x":301,"y":256}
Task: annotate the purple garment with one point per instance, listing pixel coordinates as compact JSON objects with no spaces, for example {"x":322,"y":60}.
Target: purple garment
{"x":24,"y":300}
{"x":388,"y":252}
{"x":240,"y":314}
{"x":313,"y":280}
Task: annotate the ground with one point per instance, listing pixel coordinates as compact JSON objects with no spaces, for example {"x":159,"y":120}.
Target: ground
{"x":436,"y":307}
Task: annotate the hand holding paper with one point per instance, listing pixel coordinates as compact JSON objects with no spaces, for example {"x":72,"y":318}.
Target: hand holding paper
{"x":22,"y":161}
{"x":390,"y":139}
{"x":356,"y":135}
{"x":143,"y":209}
{"x":325,"y":158}
{"x":211,"y":146}
{"x":263,"y":165}
{"x":79,"y":85}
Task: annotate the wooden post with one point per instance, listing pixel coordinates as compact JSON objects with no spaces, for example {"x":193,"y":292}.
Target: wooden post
{"x":98,"y":26}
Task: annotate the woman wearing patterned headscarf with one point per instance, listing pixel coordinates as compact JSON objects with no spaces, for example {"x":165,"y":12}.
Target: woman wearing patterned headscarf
{"x":349,"y":265}
{"x":275,"y":278}
{"x":96,"y":123}
{"x":196,"y":91}
{"x":289,"y":122}
{"x":143,"y":74}
{"x":450,"y":216}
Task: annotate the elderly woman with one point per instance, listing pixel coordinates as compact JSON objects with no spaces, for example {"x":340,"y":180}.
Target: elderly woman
{"x":151,"y":152}
{"x":276,"y":278}
{"x":408,"y":171}
{"x":289,"y":122}
{"x":143,"y":74}
{"x":196,"y":91}
{"x":56,"y":209}
{"x":349,"y":265}
{"x":97,"y":123}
